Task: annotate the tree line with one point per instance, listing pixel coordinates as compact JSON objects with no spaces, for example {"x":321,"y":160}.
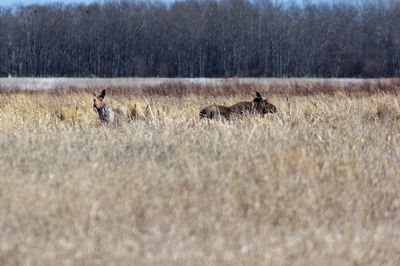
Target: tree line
{"x":201,"y":38}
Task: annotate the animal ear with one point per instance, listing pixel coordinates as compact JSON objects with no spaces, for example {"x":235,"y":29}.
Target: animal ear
{"x":257,"y":97}
{"x":103,"y":93}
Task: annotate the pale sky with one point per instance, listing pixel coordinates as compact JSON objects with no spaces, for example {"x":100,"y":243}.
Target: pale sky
{"x":29,"y":2}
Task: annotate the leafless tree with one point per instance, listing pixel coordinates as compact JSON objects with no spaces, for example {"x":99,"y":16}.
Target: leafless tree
{"x":201,"y":38}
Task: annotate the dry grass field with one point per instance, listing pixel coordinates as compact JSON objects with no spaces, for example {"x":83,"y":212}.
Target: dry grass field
{"x":317,"y":183}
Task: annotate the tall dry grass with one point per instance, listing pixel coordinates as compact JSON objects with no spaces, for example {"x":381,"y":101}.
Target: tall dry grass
{"x":315,"y":184}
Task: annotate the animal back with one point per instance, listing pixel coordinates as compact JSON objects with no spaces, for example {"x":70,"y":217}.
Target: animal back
{"x":214,"y":111}
{"x":241,"y":108}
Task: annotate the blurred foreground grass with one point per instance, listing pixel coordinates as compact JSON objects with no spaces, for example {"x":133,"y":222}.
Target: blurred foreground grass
{"x":315,"y":184}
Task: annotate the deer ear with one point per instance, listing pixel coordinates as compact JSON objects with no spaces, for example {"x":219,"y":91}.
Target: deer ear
{"x":258,"y":97}
{"x":103,"y":93}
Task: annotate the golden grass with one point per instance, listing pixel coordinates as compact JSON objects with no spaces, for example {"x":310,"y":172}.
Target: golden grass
{"x":315,"y":184}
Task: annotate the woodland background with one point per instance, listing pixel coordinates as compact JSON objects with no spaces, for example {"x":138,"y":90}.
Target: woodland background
{"x":201,"y":38}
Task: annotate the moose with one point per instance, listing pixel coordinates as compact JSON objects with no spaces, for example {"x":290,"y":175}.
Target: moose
{"x":106,"y":112}
{"x":257,"y":106}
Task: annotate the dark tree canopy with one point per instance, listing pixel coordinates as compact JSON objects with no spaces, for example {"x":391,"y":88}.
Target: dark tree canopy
{"x":201,"y":38}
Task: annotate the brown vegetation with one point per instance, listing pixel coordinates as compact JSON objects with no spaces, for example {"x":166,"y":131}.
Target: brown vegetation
{"x":316,"y":183}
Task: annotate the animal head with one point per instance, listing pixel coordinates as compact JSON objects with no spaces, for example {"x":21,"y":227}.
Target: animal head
{"x":262,"y":105}
{"x":98,"y":100}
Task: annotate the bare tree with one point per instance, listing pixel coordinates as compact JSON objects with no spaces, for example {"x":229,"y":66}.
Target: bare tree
{"x":3,"y":47}
{"x":201,"y":38}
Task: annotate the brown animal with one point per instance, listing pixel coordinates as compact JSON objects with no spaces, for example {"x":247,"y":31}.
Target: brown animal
{"x":257,"y":106}
{"x":106,"y":112}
